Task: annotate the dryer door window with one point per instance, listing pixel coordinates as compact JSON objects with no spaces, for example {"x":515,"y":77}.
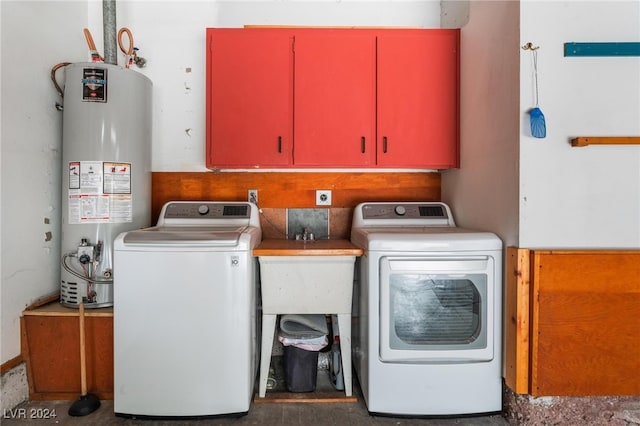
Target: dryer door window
{"x":436,"y":309}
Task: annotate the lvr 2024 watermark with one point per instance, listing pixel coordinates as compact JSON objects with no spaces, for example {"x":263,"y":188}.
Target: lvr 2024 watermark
{"x":29,"y":413}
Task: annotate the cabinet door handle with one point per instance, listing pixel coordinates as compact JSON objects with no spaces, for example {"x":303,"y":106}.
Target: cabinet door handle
{"x":384,"y":144}
{"x":279,"y":144}
{"x":363,"y":144}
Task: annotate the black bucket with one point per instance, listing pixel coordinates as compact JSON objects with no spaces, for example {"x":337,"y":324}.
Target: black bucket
{"x":301,"y":369}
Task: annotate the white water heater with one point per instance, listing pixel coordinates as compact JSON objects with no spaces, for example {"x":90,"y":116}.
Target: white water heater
{"x":106,"y":174}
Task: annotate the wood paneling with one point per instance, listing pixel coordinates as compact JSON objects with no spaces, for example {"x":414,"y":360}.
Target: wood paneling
{"x":294,"y":189}
{"x":51,"y":348}
{"x":585,"y":323}
{"x":517,"y":320}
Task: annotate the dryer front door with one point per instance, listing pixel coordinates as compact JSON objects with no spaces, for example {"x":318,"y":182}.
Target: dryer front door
{"x":436,"y":309}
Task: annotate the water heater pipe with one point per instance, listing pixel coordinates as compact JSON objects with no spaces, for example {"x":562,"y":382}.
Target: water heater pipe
{"x":109,"y":31}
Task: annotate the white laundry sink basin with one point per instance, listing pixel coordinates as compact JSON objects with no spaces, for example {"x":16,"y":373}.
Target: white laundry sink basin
{"x":306,"y":277}
{"x":306,"y":284}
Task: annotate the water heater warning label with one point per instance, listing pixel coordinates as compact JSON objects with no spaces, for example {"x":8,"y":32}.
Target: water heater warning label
{"x":99,"y":192}
{"x":94,"y":85}
{"x":117,"y":178}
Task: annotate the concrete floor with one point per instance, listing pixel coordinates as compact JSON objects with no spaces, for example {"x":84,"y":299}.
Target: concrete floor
{"x":317,"y":413}
{"x":262,"y":413}
{"x":306,"y":414}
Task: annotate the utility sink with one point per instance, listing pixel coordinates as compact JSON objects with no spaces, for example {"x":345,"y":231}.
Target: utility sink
{"x":306,"y":284}
{"x":306,"y":277}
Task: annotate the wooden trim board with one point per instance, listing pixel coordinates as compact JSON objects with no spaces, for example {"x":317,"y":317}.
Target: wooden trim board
{"x":305,"y":397}
{"x":605,"y":140}
{"x":517,"y":304}
{"x":12,"y":363}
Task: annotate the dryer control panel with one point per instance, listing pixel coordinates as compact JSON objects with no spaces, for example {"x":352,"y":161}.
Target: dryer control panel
{"x":404,"y":213}
{"x":409,"y":211}
{"x":378,"y":211}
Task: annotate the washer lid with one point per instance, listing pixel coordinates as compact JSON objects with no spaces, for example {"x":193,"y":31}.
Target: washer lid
{"x":206,"y":235}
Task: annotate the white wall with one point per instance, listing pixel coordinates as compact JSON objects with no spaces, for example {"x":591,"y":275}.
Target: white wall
{"x":35,"y":36}
{"x":171,"y":35}
{"x":580,"y":197}
{"x":483,"y":193}
{"x":542,"y":193}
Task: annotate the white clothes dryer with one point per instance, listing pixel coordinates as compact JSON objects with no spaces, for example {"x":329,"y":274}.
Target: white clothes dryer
{"x":427,"y":312}
{"x":185,"y":312}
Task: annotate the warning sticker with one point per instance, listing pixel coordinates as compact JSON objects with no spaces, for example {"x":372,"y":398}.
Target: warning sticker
{"x":94,"y":208}
{"x":74,"y":175}
{"x":99,"y":192}
{"x":91,"y":176}
{"x":117,"y":178}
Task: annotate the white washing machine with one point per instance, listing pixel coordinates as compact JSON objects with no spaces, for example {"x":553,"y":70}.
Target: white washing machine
{"x":185,"y":312}
{"x":427,"y":312}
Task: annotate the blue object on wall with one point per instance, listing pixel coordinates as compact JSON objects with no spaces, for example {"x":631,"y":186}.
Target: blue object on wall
{"x":538,"y":123}
{"x":602,"y":49}
{"x":536,"y":117}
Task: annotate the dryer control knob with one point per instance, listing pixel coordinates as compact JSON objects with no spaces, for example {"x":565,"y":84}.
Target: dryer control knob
{"x":400,"y":210}
{"x":203,"y":209}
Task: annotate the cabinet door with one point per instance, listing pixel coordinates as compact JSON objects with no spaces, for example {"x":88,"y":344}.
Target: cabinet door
{"x":334,"y":98}
{"x":418,"y":99}
{"x":249,"y":98}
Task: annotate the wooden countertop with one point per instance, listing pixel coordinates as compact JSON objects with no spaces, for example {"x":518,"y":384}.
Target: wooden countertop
{"x":281,"y":247}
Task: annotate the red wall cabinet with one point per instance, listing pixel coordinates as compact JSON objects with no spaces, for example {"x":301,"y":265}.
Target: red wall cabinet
{"x":249,"y":98}
{"x":363,"y":98}
{"x":334,"y":98}
{"x":417,"y":102}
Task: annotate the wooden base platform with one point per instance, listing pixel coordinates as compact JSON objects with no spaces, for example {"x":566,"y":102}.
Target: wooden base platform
{"x":50,"y":340}
{"x":304,"y":397}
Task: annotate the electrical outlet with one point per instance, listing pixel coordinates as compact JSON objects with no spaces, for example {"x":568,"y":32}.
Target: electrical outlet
{"x":323,"y":197}
{"x":253,"y":196}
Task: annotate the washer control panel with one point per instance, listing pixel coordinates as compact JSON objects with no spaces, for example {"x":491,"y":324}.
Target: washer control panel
{"x":204,"y":210}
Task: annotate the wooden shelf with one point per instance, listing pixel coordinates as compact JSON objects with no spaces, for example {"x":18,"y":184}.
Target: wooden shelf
{"x":605,"y":140}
